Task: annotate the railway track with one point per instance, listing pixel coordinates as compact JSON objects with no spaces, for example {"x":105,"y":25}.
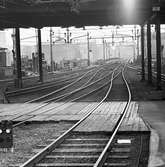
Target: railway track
{"x":47,"y":108}
{"x":80,"y":149}
{"x":154,"y":73}
{"x":46,"y":86}
{"x":10,"y":82}
{"x":38,"y":106}
{"x":92,"y":81}
{"x":48,"y":89}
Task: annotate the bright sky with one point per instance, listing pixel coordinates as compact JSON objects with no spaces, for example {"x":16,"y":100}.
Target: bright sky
{"x":60,"y":32}
{"x":28,"y":36}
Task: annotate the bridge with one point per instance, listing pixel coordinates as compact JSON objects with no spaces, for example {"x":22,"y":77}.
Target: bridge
{"x":79,"y":13}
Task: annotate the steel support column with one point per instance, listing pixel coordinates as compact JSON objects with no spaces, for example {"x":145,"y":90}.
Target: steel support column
{"x":149,"y":53}
{"x":51,"y":50}
{"x":103,"y":49}
{"x":142,"y":53}
{"x":40,"y":56}
{"x":158,"y":53}
{"x":18,"y":59}
{"x":88,"y":48}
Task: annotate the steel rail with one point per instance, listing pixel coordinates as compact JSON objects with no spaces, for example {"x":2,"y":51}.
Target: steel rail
{"x":80,"y":97}
{"x":36,"y":109}
{"x":45,"y":104}
{"x":55,"y":107}
{"x":24,"y":103}
{"x":39,"y":156}
{"x":46,"y":109}
{"x":100,"y":161}
{"x":49,"y":82}
{"x":31,"y":77}
{"x":46,"y":85}
{"x":79,"y":89}
{"x":42,"y":105}
{"x":67,"y":85}
{"x":59,"y":89}
{"x":89,"y":93}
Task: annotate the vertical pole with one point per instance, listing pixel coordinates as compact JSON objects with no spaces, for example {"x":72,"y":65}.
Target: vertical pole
{"x":88,"y":48}
{"x":134,"y":52}
{"x":67,"y":35}
{"x":51,"y":50}
{"x":137,"y":43}
{"x":134,"y":43}
{"x":109,"y":52}
{"x":149,"y":53}
{"x":40,"y":56}
{"x":18,"y":58}
{"x":142,"y":53}
{"x":158,"y":53}
{"x":103,"y":50}
{"x":119,"y":51}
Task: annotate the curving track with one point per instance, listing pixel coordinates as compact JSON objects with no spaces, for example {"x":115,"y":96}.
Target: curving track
{"x":85,"y":153}
{"x":33,"y":80}
{"x":85,"y":90}
{"x":42,"y":89}
{"x":57,"y":86}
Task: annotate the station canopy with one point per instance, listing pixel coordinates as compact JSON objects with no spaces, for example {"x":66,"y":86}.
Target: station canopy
{"x":78,"y":13}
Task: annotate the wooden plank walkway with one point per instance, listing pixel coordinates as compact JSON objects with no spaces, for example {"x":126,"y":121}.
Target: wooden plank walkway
{"x":103,"y":119}
{"x":51,"y":112}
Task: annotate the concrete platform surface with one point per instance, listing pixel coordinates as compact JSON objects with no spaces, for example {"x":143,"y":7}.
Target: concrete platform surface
{"x":153,"y":112}
{"x":102,"y":119}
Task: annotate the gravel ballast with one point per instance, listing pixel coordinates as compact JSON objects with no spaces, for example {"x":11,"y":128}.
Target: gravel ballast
{"x":26,"y":139}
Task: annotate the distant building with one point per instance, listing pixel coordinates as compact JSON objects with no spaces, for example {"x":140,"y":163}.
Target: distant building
{"x":6,"y":58}
{"x":62,"y":52}
{"x":5,"y":70}
{"x":66,"y":51}
{"x":71,"y":64}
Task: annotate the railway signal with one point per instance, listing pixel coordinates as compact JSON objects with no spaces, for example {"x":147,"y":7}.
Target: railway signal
{"x":6,"y":134}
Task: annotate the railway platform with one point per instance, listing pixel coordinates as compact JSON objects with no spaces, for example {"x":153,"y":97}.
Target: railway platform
{"x":151,"y":110}
{"x":101,"y":120}
{"x":152,"y":113}
{"x":99,"y":124}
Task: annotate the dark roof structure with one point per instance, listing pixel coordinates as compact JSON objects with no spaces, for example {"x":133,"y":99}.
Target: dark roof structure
{"x":65,"y":13}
